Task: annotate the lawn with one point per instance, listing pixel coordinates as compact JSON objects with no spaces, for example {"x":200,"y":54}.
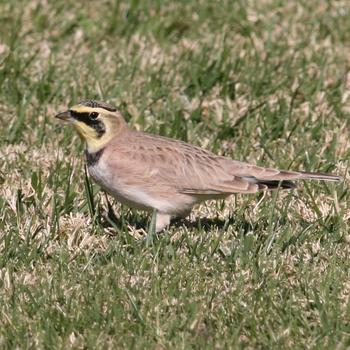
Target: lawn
{"x":262,"y":81}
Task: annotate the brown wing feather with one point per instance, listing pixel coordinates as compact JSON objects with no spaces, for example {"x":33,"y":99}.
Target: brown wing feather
{"x":170,"y":163}
{"x":167,"y":163}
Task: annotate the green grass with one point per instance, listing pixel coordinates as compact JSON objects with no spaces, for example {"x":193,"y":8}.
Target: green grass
{"x":262,"y":81}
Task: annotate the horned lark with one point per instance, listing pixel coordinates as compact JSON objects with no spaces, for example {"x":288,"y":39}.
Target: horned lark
{"x":151,"y":172}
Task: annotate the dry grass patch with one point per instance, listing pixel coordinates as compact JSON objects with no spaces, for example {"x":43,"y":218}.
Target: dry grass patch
{"x":263,"y":81}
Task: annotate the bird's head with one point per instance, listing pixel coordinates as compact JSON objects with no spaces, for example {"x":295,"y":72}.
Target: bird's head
{"x":96,"y":122}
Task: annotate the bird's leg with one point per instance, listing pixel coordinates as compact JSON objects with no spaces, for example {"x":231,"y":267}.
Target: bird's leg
{"x":110,"y":214}
{"x":162,"y":221}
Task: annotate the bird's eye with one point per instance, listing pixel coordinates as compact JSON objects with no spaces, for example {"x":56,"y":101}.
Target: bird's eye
{"x":93,"y":115}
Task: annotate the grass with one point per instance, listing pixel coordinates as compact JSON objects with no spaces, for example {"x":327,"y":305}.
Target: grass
{"x":262,"y":81}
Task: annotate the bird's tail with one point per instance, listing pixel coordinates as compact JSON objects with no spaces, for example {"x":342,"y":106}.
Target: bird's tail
{"x":319,"y":176}
{"x":286,"y":179}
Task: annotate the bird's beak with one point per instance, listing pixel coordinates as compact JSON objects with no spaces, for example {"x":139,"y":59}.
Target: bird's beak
{"x":65,"y":116}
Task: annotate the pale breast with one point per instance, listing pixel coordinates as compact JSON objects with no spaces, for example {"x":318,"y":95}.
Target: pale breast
{"x":134,"y":195}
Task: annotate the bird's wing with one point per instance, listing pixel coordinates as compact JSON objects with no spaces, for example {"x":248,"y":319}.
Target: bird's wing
{"x":151,"y":160}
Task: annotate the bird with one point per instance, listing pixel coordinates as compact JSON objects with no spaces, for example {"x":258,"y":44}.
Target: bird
{"x":164,"y":175}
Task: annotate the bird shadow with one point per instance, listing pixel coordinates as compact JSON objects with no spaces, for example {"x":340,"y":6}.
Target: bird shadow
{"x":142,"y":222}
{"x":122,"y":222}
{"x":111,"y":220}
{"x":206,"y":224}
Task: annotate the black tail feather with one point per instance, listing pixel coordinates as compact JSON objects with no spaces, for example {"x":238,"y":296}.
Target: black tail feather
{"x":275,"y":184}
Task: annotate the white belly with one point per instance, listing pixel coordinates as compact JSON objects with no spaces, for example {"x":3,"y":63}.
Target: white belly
{"x":133,"y":196}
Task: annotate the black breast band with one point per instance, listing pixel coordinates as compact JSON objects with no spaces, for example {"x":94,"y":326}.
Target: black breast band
{"x":93,"y":158}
